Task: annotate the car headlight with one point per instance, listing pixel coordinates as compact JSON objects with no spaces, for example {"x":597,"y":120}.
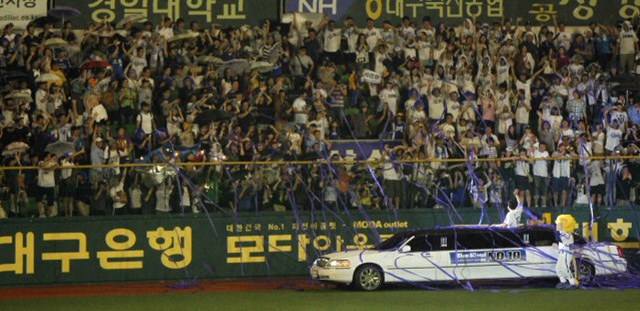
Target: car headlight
{"x":339,"y":263}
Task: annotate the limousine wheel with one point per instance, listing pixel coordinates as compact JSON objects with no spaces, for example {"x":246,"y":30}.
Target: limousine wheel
{"x":368,"y":277}
{"x":586,"y":272}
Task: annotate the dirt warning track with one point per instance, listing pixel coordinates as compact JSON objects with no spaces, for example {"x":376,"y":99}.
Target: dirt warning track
{"x":169,"y":287}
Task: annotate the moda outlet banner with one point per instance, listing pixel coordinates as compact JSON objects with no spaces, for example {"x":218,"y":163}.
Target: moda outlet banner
{"x":224,"y":12}
{"x":572,"y":12}
{"x":21,"y":12}
{"x":128,"y":248}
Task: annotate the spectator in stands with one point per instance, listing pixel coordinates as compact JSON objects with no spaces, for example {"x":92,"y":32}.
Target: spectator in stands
{"x":270,"y":94}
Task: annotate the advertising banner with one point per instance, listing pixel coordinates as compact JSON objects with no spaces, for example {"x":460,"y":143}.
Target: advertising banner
{"x":572,"y":12}
{"x":206,"y":12}
{"x":176,"y":247}
{"x":21,"y":12}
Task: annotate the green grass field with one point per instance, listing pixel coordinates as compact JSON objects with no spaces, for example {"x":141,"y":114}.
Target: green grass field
{"x":393,"y":299}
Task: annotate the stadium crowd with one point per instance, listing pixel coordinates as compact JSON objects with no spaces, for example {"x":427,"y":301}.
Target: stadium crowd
{"x":181,"y":93}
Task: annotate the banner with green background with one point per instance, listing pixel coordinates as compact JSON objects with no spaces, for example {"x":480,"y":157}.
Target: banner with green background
{"x":572,"y":12}
{"x":176,"y":247}
{"x":452,"y":12}
{"x":205,"y":12}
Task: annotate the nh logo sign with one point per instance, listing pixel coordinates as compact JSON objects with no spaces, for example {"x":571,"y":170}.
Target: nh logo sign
{"x":318,"y":6}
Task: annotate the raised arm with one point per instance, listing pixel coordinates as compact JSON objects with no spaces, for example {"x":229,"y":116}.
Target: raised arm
{"x":516,"y":193}
{"x":537,"y":73}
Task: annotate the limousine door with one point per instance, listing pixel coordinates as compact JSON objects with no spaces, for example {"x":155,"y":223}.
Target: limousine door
{"x":490,"y":255}
{"x":542,"y":253}
{"x":416,"y":264}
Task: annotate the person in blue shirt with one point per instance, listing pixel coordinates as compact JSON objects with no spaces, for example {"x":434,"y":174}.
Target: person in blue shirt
{"x":634,"y":114}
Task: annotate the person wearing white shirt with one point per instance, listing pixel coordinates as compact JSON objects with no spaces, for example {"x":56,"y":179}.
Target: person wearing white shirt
{"x":388,"y":36}
{"x":618,"y":113}
{"x":540,"y":174}
{"x":425,"y":49}
{"x":436,"y":105}
{"x":502,"y":71}
{"x":447,"y":127}
{"x":380,"y":56}
{"x":138,"y":61}
{"x":614,"y":134}
{"x":596,"y":181}
{"x":561,"y":176}
{"x":372,"y":35}
{"x":300,"y":110}
{"x":628,"y":47}
{"x":392,"y":183}
{"x":418,"y":115}
{"x":145,"y":119}
{"x":332,"y":37}
{"x":390,"y":96}
{"x":406,"y":29}
{"x":512,"y":219}
{"x":523,"y":109}
{"x":562,"y":38}
{"x":453,"y":105}
{"x":46,"y":185}
{"x":163,"y":194}
{"x":598,"y":140}
{"x":117,"y":193}
{"x":42,"y":97}
{"x":165,"y":28}
{"x":99,"y":113}
{"x":409,"y":104}
{"x":295,"y":141}
{"x":522,"y":170}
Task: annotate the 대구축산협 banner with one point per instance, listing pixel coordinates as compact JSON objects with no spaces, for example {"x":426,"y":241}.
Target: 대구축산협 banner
{"x":21,"y":12}
{"x":571,"y":12}
{"x":225,"y":12}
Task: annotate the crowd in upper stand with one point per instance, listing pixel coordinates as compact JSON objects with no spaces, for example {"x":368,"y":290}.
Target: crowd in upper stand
{"x":180,"y":92}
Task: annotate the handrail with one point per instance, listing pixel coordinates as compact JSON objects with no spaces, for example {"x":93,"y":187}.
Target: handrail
{"x":310,"y":162}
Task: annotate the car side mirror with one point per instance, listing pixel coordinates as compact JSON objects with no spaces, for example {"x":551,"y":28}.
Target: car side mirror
{"x":405,"y":249}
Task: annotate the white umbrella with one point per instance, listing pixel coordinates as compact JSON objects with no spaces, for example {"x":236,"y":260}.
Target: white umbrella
{"x":130,"y":19}
{"x":55,"y":43}
{"x":15,"y":147}
{"x":60,"y":148}
{"x":184,"y":36}
{"x":209,"y":59}
{"x":301,"y":18}
{"x":237,"y":66}
{"x":106,"y":34}
{"x":48,"y":77}
{"x":262,"y":67}
{"x":20,"y":96}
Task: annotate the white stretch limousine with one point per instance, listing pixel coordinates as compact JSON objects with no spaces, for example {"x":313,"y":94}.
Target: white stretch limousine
{"x":464,"y":253}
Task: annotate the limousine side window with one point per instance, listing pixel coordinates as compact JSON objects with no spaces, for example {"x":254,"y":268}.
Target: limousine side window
{"x":420,"y":244}
{"x":544,"y":238}
{"x":440,"y":242}
{"x":474,"y":240}
{"x":548,"y":237}
{"x":506,"y":239}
